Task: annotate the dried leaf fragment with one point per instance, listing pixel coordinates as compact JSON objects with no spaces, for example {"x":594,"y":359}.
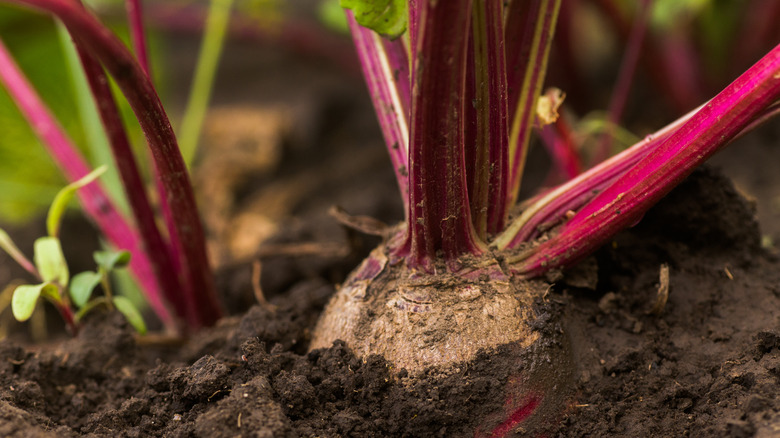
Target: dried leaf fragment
{"x":663,"y":290}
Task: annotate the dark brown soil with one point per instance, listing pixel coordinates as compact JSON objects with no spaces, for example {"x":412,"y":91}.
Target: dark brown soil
{"x":708,"y":365}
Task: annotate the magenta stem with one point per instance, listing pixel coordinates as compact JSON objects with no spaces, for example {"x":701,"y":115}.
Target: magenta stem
{"x":625,"y":78}
{"x":414,"y":28}
{"x":656,"y":63}
{"x":569,"y":74}
{"x":67,"y":316}
{"x":137,"y":34}
{"x":488,"y":192}
{"x":386,"y":70}
{"x":439,"y":219}
{"x":398,"y":60}
{"x":558,"y":139}
{"x":95,"y":201}
{"x":548,"y":209}
{"x":630,"y":196}
{"x":529,"y":29}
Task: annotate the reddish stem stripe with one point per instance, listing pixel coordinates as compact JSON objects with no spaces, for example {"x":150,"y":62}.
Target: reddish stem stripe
{"x":530,"y":26}
{"x":625,"y":77}
{"x":414,"y":28}
{"x":398,"y":61}
{"x":137,"y":34}
{"x":521,"y":20}
{"x":439,"y":218}
{"x":489,"y":187}
{"x":94,"y":200}
{"x":518,"y":416}
{"x":675,"y":82}
{"x":67,"y":316}
{"x":558,"y":139}
{"x":630,"y":196}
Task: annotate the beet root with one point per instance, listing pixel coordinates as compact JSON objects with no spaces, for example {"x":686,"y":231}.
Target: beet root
{"x":447,"y":324}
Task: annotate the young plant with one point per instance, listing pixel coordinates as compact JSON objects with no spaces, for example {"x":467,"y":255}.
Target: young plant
{"x":456,"y":86}
{"x":51,"y":269}
{"x":171,"y":267}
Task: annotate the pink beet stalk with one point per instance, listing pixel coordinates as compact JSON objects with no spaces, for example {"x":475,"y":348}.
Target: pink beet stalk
{"x":397,"y":54}
{"x":202,"y":307}
{"x":488,"y":189}
{"x":548,"y":209}
{"x":386,"y":69}
{"x":557,"y":137}
{"x":439,"y":218}
{"x":93,"y":198}
{"x":529,"y":31}
{"x":670,"y":71}
{"x":626,"y":200}
{"x":625,"y":77}
{"x":137,"y":34}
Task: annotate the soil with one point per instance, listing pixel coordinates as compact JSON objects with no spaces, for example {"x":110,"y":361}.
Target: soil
{"x":707,"y":363}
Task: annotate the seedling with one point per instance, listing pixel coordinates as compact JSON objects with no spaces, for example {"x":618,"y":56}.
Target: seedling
{"x":51,"y":269}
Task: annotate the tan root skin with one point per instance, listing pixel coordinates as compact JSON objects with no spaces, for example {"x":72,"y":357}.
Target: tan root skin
{"x":415,"y":325}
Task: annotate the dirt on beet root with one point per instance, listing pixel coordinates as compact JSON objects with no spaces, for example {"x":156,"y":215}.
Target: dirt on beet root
{"x":706,"y":362}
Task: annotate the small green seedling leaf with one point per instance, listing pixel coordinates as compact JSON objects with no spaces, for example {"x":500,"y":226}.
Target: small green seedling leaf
{"x":386,"y":17}
{"x":10,"y":247}
{"x":132,"y":314}
{"x":82,"y":285}
{"x":64,"y":196}
{"x":50,"y":261}
{"x":110,"y":260}
{"x":26,"y":296}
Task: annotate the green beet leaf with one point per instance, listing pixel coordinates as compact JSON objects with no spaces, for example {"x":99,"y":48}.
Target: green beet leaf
{"x":110,"y":260}
{"x":132,"y":314}
{"x":50,"y":261}
{"x":26,"y":296}
{"x":64,"y":196}
{"x":386,"y":17}
{"x":82,"y":285}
